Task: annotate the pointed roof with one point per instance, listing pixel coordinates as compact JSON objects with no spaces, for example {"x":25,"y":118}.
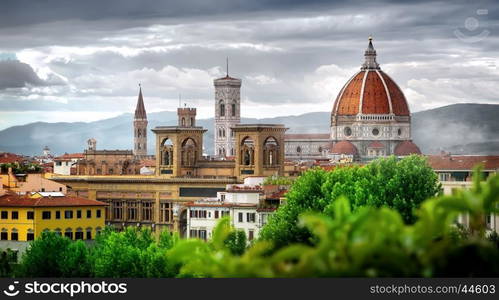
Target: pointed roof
{"x":370,"y":55}
{"x":140,"y":110}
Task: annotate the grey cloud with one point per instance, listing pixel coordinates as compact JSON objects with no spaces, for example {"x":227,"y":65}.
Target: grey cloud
{"x":15,"y":74}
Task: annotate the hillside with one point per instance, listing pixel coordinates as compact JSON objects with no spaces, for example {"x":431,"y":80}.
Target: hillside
{"x":459,"y":128}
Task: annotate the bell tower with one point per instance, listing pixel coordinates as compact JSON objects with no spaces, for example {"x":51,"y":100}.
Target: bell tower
{"x":227,"y":114}
{"x":140,"y":128}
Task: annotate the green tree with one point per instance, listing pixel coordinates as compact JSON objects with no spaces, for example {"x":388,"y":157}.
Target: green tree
{"x":236,"y":242}
{"x":44,"y":256}
{"x":76,"y":261}
{"x":132,"y":253}
{"x":363,"y":242}
{"x":401,"y":184}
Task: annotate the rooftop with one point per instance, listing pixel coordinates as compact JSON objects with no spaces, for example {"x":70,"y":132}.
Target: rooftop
{"x":15,"y":200}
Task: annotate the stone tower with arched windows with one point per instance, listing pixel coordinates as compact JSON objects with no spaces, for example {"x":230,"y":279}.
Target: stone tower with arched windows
{"x":227,"y":114}
{"x":140,"y":128}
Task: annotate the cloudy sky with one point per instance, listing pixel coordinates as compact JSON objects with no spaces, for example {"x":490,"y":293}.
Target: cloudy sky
{"x":64,"y":60}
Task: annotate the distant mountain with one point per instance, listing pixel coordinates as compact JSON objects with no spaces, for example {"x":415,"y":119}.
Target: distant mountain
{"x":458,"y":128}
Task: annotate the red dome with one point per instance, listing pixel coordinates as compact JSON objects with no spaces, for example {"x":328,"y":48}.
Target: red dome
{"x":380,"y":95}
{"x":406,"y":148}
{"x":344,"y":147}
{"x":371,"y":91}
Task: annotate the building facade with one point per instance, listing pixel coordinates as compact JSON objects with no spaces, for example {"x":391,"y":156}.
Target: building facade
{"x":25,"y":217}
{"x":227,"y":114}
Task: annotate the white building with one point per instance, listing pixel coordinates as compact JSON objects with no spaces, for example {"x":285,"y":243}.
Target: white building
{"x":64,"y":163}
{"x":245,"y":204}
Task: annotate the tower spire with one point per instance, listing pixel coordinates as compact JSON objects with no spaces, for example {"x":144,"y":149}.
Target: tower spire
{"x":370,"y":57}
{"x":140,"y":110}
{"x":227,"y":65}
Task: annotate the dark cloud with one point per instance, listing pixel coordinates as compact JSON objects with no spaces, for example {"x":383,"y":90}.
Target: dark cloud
{"x":15,"y":74}
{"x":91,"y":54}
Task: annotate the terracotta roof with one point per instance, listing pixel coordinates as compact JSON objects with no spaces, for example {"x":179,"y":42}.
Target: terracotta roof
{"x":376,"y":144}
{"x":140,"y":110}
{"x":344,"y":147}
{"x":277,"y":195}
{"x":376,"y":98}
{"x":463,"y":162}
{"x":67,"y":156}
{"x":148,"y":162}
{"x":14,"y":200}
{"x":406,"y":148}
{"x":7,"y":157}
{"x":307,"y":136}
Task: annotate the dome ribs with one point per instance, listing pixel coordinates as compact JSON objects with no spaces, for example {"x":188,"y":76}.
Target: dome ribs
{"x":375,"y":98}
{"x":399,"y":103}
{"x":348,"y":104}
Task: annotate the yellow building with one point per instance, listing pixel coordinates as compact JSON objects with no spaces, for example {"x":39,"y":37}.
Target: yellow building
{"x":25,"y":217}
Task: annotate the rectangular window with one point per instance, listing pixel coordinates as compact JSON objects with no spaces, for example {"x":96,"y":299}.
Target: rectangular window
{"x":15,"y":215}
{"x":240,"y":217}
{"x":79,"y":235}
{"x":250,"y":217}
{"x":202,"y":234}
{"x":117,"y":210}
{"x":30,"y":236}
{"x":133,"y":211}
{"x":193,"y":233}
{"x":98,"y":213}
{"x":46,"y":215}
{"x":251,"y":235}
{"x":14,"y":236}
{"x":165,"y":213}
{"x":58,"y":214}
{"x":68,"y":214}
{"x":147,"y":211}
{"x":78,"y":214}
{"x":89,"y":213}
{"x":30,"y":215}
{"x":4,"y":236}
{"x":216,"y":214}
{"x":5,"y":214}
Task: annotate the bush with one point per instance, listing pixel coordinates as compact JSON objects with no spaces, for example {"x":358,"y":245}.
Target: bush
{"x":386,"y":182}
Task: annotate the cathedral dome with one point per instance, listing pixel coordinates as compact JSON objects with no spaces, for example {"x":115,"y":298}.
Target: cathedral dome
{"x":344,"y":147}
{"x":406,"y":148}
{"x":371,"y":91}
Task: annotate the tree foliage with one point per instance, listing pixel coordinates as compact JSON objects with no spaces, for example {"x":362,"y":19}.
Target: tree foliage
{"x":346,"y":240}
{"x":386,"y":182}
{"x":367,"y":242}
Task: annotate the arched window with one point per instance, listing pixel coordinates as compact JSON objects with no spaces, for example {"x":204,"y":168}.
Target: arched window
{"x":233,"y":109}
{"x":192,"y":122}
{"x":183,"y":121}
{"x":298,"y":149}
{"x":222,"y":108}
{"x":79,"y":234}
{"x":231,"y":151}
{"x":247,"y":152}
{"x":68,"y":233}
{"x":270,"y":151}
{"x":89,"y":233}
{"x":189,"y":153}
{"x":167,"y":152}
{"x":138,"y":132}
{"x":223,"y":132}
